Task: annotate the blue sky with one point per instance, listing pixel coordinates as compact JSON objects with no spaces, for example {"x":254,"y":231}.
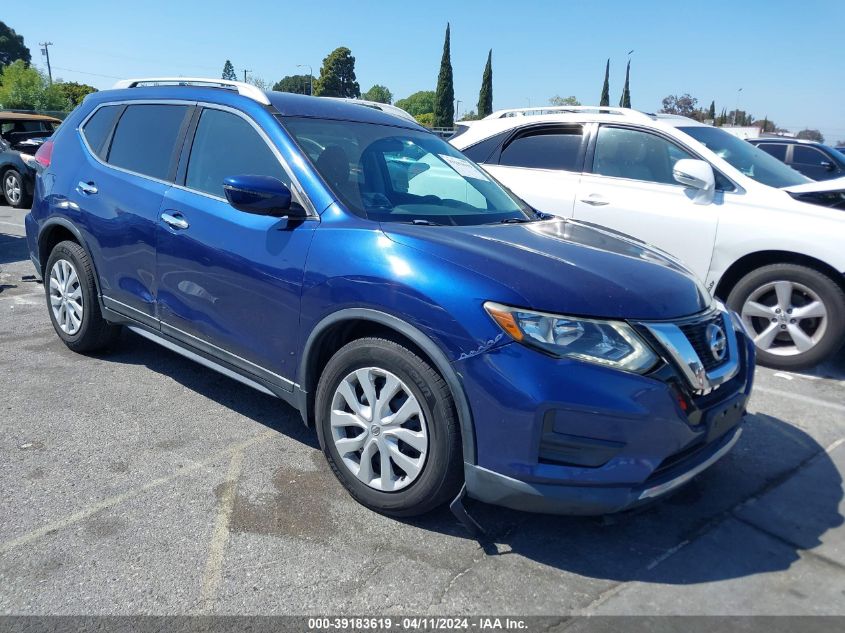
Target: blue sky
{"x":785,"y":55}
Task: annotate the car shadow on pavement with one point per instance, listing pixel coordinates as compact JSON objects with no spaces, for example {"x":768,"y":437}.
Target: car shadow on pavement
{"x":776,"y":494}
{"x":271,"y":412}
{"x":12,"y":248}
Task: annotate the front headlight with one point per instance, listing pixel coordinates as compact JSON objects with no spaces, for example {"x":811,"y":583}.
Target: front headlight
{"x":610,"y":343}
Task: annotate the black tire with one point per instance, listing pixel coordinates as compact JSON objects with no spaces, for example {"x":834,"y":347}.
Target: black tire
{"x":24,"y":200}
{"x":94,"y":331}
{"x":828,"y":292}
{"x":442,"y":473}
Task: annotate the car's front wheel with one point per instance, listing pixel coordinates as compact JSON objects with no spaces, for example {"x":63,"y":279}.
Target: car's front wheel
{"x":14,"y":190}
{"x":387,"y":425}
{"x":796,"y":314}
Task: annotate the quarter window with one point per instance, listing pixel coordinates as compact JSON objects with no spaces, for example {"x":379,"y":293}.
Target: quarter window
{"x":145,"y":138}
{"x":226,"y":145}
{"x":547,"y":148}
{"x":778,"y":150}
{"x":624,"y":153}
{"x":98,"y":127}
{"x":808,"y":156}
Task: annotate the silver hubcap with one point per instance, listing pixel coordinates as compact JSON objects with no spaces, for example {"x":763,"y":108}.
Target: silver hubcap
{"x":66,"y":296}
{"x":379,"y":429}
{"x":13,"y":189}
{"x":786,"y":318}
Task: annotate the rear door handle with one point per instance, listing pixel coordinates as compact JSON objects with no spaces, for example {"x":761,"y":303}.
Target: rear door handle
{"x":175,"y":221}
{"x":88,"y":188}
{"x":595,"y":200}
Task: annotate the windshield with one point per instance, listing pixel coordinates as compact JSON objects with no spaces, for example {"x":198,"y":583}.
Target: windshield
{"x":392,"y":174}
{"x":750,"y":160}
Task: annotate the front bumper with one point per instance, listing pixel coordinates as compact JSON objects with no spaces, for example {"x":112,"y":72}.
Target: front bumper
{"x":565,"y":437}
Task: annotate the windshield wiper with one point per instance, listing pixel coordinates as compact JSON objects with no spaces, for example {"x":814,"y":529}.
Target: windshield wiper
{"x":423,"y":222}
{"x":514,"y":221}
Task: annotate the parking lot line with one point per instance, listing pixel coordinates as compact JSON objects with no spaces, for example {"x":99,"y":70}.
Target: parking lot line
{"x":796,"y":396}
{"x":14,"y":224}
{"x":220,"y":536}
{"x":116,"y":499}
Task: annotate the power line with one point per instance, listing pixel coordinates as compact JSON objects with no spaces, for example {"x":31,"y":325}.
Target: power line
{"x":82,"y":72}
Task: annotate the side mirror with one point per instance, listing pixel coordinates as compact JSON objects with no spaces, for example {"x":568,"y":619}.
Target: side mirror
{"x":696,"y":174}
{"x":261,"y":195}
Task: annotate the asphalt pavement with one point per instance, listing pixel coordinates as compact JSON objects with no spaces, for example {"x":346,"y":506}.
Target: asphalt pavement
{"x":138,"y":482}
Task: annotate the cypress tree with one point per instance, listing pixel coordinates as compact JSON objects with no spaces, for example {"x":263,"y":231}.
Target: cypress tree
{"x":444,"y":97}
{"x":625,"y":99}
{"x":711,"y":113}
{"x":485,"y":96}
{"x":605,"y":91}
{"x":229,"y":71}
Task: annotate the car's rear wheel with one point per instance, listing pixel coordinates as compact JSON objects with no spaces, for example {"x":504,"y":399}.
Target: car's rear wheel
{"x":14,"y":190}
{"x":72,"y":300}
{"x":796,"y":314}
{"x":387,"y":425}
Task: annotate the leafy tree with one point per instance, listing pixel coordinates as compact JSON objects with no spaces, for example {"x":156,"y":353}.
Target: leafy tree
{"x":485,"y":95}
{"x":74,"y":92}
{"x":471,"y":116}
{"x":379,"y":94}
{"x":711,"y":113}
{"x":683,"y":105}
{"x":258,"y":82}
{"x":419,"y":103}
{"x":444,"y":99}
{"x":297,"y":84}
{"x":337,"y":75}
{"x":625,"y":99}
{"x":12,"y":47}
{"x":810,"y":135}
{"x":426,"y":119}
{"x":23,"y":87}
{"x":740,"y":118}
{"x":605,"y":90}
{"x":557,"y":100}
{"x":229,"y":72}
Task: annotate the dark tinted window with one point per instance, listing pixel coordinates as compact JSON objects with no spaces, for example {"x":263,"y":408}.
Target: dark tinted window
{"x":97,"y":129}
{"x":624,"y":153}
{"x":778,"y":150}
{"x":481,"y":152}
{"x":808,"y":155}
{"x":226,"y":145}
{"x":145,"y":138}
{"x":556,"y":148}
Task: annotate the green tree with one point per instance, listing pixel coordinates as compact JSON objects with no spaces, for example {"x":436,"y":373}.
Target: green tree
{"x":426,"y":119}
{"x":379,"y":94}
{"x":711,"y":113}
{"x":685,"y":105}
{"x":297,"y":84}
{"x":12,"y":47}
{"x":605,"y":90}
{"x":810,"y":135}
{"x":419,"y":103}
{"x":23,"y":87}
{"x":229,"y":72}
{"x":444,"y":99}
{"x":625,"y":99}
{"x":557,"y":100}
{"x":74,"y":92}
{"x":337,"y":75}
{"x":485,"y":95}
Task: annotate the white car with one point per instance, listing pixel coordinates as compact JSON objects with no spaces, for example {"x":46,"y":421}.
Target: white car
{"x":763,"y":237}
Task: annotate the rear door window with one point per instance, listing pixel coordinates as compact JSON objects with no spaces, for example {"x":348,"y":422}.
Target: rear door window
{"x":227,"y":145}
{"x":96,"y":131}
{"x":146,"y":137}
{"x":545,"y":148}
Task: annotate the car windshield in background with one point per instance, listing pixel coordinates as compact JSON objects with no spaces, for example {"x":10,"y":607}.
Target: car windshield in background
{"x":750,"y":160}
{"x":391,"y":174}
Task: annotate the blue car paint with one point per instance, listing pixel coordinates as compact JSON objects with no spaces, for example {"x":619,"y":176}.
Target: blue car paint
{"x":262,"y":288}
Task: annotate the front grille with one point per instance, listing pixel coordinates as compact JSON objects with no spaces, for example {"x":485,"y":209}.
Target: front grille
{"x":696,"y":333}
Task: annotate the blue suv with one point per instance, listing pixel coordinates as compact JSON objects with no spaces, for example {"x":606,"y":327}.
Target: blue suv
{"x":442,"y":336}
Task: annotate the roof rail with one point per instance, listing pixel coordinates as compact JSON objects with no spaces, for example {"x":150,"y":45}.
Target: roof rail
{"x":244,"y":89}
{"x":540,"y":110}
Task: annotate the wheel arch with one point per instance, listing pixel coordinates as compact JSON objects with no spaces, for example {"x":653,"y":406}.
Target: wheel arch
{"x":344,"y":326}
{"x":752,"y":261}
{"x":58,"y":229}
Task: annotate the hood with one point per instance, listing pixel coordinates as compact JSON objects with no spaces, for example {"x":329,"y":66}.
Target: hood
{"x":822,"y":186}
{"x":566,"y":267}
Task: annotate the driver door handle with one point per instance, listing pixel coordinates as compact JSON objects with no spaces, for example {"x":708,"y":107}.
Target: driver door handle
{"x":175,"y":222}
{"x":595,"y":200}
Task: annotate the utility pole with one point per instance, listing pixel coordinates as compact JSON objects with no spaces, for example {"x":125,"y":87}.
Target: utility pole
{"x":245,"y":72}
{"x":457,"y":109}
{"x":310,"y":77}
{"x":46,"y":52}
